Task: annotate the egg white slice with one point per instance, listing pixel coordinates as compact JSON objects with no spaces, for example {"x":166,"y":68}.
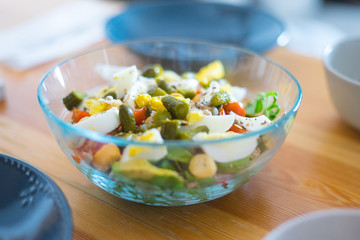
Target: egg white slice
{"x":227,"y":151}
{"x":103,"y":122}
{"x":217,"y":124}
{"x":254,"y":123}
{"x":135,"y":152}
{"x":124,"y":79}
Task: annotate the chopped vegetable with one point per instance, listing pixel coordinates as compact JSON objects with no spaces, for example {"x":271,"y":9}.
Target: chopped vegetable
{"x":179,"y":154}
{"x":187,"y":93}
{"x":139,"y":115}
{"x":170,"y":129}
{"x":143,"y":170}
{"x":264,"y":104}
{"x":156,"y":91}
{"x":153,"y":71}
{"x":222,"y":112}
{"x":160,"y":116}
{"x":127,"y":119}
{"x":166,"y":164}
{"x":220,"y":98}
{"x":77,"y":115}
{"x":190,"y":133}
{"x":234,"y":107}
{"x":166,"y":86}
{"x":145,"y":126}
{"x":176,"y":107}
{"x":238,"y":129}
{"x":73,"y":99}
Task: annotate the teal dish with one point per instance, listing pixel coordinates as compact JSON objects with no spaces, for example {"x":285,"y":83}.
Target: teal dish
{"x":243,"y":68}
{"x":243,"y":26}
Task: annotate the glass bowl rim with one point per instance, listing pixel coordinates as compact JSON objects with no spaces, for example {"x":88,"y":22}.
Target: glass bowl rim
{"x":95,"y":136}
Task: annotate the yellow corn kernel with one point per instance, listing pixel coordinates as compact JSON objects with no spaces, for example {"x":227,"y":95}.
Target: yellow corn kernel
{"x":142,"y":100}
{"x":156,"y":104}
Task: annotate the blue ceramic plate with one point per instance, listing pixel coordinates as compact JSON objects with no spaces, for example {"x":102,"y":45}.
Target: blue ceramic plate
{"x":31,"y":205}
{"x":246,"y":27}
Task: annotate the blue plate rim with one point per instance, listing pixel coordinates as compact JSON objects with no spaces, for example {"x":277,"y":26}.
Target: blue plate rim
{"x":59,"y":198}
{"x":139,"y":6}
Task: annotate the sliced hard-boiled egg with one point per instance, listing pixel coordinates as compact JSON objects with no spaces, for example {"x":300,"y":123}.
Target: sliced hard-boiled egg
{"x":254,"y":123}
{"x":95,"y":106}
{"x":227,"y":151}
{"x":103,"y":122}
{"x":216,"y":124}
{"x":124,"y":79}
{"x":135,"y":90}
{"x":153,"y":153}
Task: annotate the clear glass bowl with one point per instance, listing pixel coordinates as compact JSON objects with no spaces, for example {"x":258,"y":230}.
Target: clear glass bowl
{"x":243,"y":68}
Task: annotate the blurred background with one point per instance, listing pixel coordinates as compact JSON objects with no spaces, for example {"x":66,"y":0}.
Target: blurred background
{"x":35,"y":29}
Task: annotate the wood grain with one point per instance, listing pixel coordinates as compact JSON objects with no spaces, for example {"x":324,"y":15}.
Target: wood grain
{"x":317,"y":167}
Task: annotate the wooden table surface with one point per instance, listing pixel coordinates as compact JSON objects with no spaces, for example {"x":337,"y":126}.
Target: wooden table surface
{"x":317,"y":167}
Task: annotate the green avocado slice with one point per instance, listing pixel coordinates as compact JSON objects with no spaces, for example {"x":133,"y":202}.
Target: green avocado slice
{"x":143,"y":170}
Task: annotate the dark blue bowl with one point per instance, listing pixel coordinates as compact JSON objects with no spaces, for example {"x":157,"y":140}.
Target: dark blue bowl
{"x":242,"y":26}
{"x":32,"y":206}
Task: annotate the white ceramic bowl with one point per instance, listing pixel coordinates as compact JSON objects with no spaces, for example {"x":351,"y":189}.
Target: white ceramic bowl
{"x":342,"y":66}
{"x":333,"y":224}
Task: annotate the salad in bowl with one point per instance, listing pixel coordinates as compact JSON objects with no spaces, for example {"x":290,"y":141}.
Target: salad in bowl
{"x":169,"y":129}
